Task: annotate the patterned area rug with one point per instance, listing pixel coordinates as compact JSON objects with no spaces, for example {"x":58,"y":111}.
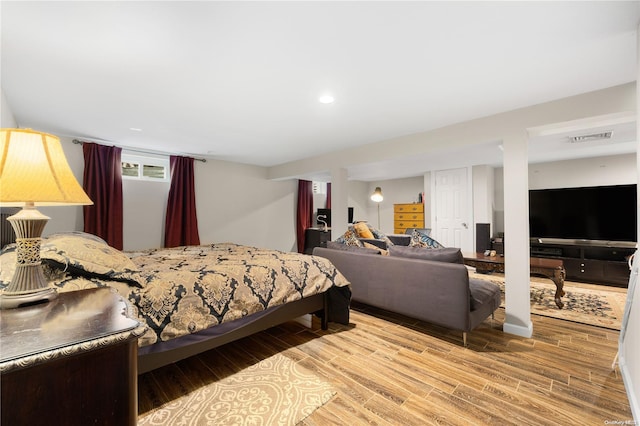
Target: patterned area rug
{"x":276,"y":391}
{"x":597,"y":305}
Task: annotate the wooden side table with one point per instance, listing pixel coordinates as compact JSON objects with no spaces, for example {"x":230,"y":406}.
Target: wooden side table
{"x":70,"y":361}
{"x":315,"y":237}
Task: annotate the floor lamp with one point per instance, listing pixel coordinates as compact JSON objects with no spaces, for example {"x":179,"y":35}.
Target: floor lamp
{"x":377,"y":198}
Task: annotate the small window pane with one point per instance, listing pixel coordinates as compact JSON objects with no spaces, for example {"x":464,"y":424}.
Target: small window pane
{"x":130,"y":169}
{"x":156,"y":172}
{"x":319,"y":187}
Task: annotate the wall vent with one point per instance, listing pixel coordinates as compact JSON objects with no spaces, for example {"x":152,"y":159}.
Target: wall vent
{"x":590,"y":137}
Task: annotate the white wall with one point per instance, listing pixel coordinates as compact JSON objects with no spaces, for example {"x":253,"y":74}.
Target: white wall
{"x":394,"y":191}
{"x":612,"y":170}
{"x":7,"y":120}
{"x":67,"y":218}
{"x":144,"y":205}
{"x":236,"y":203}
{"x":630,"y":336}
{"x":359,"y":199}
{"x":483,"y":196}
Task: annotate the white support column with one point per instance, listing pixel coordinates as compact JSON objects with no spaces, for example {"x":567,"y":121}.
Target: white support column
{"x":339,"y":202}
{"x":516,"y":235}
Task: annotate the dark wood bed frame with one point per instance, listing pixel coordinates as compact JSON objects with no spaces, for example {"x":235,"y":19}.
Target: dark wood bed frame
{"x":272,"y":317}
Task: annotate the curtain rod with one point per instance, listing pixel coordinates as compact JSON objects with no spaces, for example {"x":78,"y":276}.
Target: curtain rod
{"x":142,"y":151}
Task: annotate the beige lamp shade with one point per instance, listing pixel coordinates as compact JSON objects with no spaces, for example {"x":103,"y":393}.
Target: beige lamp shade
{"x":34,"y":169}
{"x":377,"y":195}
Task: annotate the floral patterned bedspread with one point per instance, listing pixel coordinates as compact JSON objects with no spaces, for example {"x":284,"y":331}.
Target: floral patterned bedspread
{"x":183,"y":290}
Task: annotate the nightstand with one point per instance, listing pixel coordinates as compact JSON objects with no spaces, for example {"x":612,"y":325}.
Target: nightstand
{"x":72,"y":360}
{"x":315,"y":237}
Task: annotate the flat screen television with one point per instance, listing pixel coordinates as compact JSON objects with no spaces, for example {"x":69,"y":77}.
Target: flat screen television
{"x":327,"y":213}
{"x":607,"y":213}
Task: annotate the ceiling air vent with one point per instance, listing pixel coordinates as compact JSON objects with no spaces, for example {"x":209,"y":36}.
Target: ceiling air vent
{"x":590,"y":137}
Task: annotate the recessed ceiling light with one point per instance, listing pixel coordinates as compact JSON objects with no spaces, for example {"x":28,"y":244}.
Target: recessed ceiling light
{"x":326,"y":99}
{"x":135,"y":129}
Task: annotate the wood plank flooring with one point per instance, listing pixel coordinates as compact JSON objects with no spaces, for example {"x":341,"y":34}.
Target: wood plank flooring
{"x":393,"y":370}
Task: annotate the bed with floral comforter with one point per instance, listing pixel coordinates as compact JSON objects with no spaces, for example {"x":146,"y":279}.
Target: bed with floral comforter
{"x":184,"y":291}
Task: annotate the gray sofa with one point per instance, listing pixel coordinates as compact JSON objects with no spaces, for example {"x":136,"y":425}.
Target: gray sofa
{"x":435,"y":291}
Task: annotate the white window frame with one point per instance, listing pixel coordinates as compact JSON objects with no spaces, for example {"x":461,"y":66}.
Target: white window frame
{"x":147,"y":160}
{"x":319,"y":187}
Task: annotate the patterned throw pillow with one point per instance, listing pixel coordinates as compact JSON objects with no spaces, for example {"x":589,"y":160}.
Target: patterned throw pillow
{"x":349,"y":238}
{"x":88,"y":256}
{"x":379,"y":235}
{"x":418,"y":239}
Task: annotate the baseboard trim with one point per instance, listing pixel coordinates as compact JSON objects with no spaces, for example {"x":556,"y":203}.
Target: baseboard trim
{"x":518,"y":330}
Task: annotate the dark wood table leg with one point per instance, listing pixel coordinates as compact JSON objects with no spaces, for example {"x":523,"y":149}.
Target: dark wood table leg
{"x":558,"y":280}
{"x":557,"y":276}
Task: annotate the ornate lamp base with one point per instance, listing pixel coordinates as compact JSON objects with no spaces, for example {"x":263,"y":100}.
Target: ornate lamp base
{"x":28,"y":286}
{"x":9,"y":301}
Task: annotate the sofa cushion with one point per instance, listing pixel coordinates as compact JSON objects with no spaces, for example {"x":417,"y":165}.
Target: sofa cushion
{"x":418,"y":239}
{"x":483,"y":292}
{"x":355,"y":249}
{"x":400,"y":239}
{"x":380,"y":250}
{"x":445,"y":254}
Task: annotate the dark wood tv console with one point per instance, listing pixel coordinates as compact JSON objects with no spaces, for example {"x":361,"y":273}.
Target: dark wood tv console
{"x":598,"y":262}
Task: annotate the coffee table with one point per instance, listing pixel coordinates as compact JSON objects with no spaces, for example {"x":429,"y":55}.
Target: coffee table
{"x":549,"y":268}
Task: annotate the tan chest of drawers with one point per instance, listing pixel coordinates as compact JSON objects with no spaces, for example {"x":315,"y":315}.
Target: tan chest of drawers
{"x":407,"y":216}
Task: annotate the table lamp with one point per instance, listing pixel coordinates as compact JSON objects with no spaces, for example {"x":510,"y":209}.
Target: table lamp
{"x":33,"y":172}
{"x":377,"y":197}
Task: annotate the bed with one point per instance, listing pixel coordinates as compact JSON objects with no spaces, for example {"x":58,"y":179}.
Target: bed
{"x":195,"y":298}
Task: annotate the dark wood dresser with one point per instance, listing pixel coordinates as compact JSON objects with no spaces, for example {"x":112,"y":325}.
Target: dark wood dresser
{"x":71,"y":361}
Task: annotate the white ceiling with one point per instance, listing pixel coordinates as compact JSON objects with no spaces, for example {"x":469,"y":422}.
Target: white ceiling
{"x":239,"y":81}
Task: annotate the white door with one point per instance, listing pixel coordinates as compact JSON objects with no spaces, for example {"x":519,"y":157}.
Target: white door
{"x":452,"y":209}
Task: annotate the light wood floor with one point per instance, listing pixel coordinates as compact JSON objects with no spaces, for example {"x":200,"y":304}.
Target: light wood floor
{"x":390,"y":369}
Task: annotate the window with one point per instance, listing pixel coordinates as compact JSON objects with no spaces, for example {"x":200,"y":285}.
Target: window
{"x":144,"y":167}
{"x":319,"y":187}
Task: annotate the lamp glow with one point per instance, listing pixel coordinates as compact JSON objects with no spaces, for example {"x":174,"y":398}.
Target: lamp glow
{"x":33,"y":172}
{"x":377,"y":198}
{"x":377,"y":195}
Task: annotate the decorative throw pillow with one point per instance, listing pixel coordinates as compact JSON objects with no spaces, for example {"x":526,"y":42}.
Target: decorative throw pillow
{"x":379,"y":235}
{"x":362,"y":230}
{"x":418,"y":239}
{"x":83,"y":255}
{"x":446,"y":254}
{"x":350,"y":238}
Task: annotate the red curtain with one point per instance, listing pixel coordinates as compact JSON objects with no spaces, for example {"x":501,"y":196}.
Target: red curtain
{"x":328,"y":195}
{"x":102,"y":181}
{"x":305,"y":211}
{"x":181,"y":226}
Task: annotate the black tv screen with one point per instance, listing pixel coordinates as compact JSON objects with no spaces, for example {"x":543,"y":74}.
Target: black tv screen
{"x":327,"y":213}
{"x":607,"y":213}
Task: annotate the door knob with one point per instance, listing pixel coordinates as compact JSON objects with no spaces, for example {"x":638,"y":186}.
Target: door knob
{"x":465,"y":225}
